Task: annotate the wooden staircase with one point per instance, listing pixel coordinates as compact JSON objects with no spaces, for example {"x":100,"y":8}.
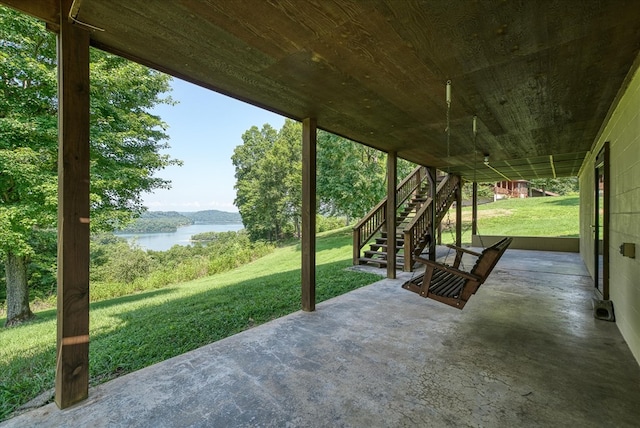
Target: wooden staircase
{"x":413,"y":221}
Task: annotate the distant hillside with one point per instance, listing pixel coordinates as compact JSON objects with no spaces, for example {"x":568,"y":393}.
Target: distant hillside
{"x":169,"y":221}
{"x":213,"y":217}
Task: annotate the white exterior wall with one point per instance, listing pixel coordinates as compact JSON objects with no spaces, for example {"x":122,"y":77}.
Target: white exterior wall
{"x":623,"y":133}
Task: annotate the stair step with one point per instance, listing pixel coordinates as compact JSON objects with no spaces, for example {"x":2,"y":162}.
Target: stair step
{"x":375,"y":247}
{"x":381,"y":242}
{"x":372,"y":253}
{"x":380,"y":255}
{"x":399,"y":235}
{"x":368,"y":261}
{"x":377,"y":253}
{"x":379,"y":262}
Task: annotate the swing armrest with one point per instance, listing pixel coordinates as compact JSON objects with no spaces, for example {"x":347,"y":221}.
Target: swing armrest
{"x":449,"y":269}
{"x":464,"y":250}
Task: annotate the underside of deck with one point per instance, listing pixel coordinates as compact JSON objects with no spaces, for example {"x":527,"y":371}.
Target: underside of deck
{"x":525,"y":351}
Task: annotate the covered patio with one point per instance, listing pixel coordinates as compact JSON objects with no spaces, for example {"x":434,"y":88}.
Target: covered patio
{"x":526,"y":351}
{"x":552,"y":90}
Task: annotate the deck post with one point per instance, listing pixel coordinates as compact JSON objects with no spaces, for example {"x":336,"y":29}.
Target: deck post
{"x":72,"y":366}
{"x":434,"y":212}
{"x":459,"y":213}
{"x":392,"y":179}
{"x":309,"y":138}
{"x":474,"y":210}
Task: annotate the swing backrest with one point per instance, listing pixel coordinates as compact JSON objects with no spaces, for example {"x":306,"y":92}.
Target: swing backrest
{"x":489,"y":258}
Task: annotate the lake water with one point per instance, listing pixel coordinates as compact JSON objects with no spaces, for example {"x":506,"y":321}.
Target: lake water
{"x":182,"y":236}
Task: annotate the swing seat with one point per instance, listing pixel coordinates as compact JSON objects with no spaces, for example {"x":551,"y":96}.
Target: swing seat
{"x":450,"y":284}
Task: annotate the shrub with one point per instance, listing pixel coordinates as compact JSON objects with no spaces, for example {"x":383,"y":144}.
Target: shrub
{"x":118,"y":269}
{"x":324,"y":224}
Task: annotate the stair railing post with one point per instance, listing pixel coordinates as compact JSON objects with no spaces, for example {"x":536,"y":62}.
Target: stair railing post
{"x":474,"y":210}
{"x":418,"y":181}
{"x":356,"y":246}
{"x":392,"y":178}
{"x":408,"y":251}
{"x":434,"y":216}
{"x":459,"y":212}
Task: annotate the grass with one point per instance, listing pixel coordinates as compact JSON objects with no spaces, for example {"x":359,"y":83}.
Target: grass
{"x":132,"y":332}
{"x":552,"y":216}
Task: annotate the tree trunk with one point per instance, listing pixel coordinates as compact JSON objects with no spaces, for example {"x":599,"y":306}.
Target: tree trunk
{"x":17,"y":290}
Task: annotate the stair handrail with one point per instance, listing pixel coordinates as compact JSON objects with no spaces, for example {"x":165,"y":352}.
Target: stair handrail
{"x":420,"y":224}
{"x":371,"y":223}
{"x":409,"y":184}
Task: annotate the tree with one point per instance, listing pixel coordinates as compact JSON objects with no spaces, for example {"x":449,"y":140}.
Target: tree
{"x":351,"y":179}
{"x":284,"y":163}
{"x":561,"y":186}
{"x":245,"y":159}
{"x":268,"y":179}
{"x":485,"y":190}
{"x":125,"y":141}
{"x":350,"y":176}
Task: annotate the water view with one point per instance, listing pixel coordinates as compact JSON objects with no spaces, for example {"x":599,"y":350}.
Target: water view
{"x":182,"y":236}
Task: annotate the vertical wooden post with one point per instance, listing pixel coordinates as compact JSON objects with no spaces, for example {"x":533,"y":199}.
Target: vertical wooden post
{"x":459,"y":213}
{"x":474,"y":210}
{"x":434,"y":211}
{"x":356,"y":246}
{"x":309,"y":138}
{"x":392,"y":179}
{"x":72,"y":366}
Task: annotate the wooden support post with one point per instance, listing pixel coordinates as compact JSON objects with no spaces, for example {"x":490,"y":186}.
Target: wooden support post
{"x":434,"y":217}
{"x":309,"y":137}
{"x":392,"y":179}
{"x":459,"y":213}
{"x":474,"y":210}
{"x":72,"y":366}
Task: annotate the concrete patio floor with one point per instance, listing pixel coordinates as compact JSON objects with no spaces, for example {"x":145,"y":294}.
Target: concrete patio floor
{"x":526,"y":351}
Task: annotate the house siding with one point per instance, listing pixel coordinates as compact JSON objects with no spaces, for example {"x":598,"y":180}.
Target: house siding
{"x":622,"y":131}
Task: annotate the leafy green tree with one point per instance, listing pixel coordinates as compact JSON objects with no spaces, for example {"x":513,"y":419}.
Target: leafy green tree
{"x":246,"y":158}
{"x":485,"y":190}
{"x":350,"y":176}
{"x":283,"y":171}
{"x":126,"y":141}
{"x":351,"y":179}
{"x":561,"y":186}
{"x":268,"y":179}
{"x":115,"y":261}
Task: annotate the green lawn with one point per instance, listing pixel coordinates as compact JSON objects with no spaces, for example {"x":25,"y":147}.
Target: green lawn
{"x":550,"y":216}
{"x":132,"y":332}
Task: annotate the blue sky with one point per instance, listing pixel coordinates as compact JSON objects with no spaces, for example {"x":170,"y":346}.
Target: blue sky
{"x":204,"y":128}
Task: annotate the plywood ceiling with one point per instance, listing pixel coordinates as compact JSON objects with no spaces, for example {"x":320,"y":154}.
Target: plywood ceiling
{"x":540,"y":75}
